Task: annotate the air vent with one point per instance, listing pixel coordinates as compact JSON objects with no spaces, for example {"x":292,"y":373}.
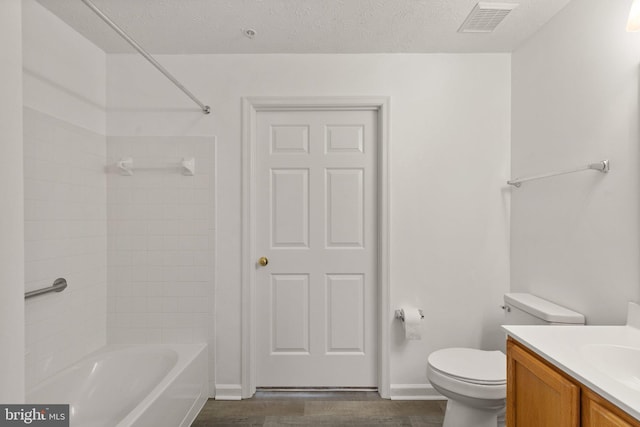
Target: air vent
{"x":485,"y":17}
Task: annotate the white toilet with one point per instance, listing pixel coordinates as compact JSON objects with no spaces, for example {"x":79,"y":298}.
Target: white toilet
{"x":475,"y":381}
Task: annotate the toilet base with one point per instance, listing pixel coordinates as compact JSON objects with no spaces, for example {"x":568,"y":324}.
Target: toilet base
{"x":459,"y":415}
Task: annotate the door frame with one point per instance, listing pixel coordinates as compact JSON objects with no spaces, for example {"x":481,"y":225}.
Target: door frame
{"x":250,"y":107}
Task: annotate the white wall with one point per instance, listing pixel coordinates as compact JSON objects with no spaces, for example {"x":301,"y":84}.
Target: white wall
{"x":575,"y":101}
{"x":450,"y":120}
{"x":11,"y":214}
{"x":64,"y":194}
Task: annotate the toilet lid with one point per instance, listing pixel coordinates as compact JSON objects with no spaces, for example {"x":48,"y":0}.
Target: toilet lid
{"x":471,"y":365}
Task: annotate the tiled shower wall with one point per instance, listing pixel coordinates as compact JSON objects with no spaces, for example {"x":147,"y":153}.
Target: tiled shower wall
{"x":65,"y":236}
{"x":64,"y":97}
{"x":161,"y":241}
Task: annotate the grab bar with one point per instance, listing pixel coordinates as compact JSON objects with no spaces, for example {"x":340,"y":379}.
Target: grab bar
{"x":58,"y":286}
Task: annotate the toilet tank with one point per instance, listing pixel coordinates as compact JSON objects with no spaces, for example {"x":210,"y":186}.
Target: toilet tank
{"x":528,"y":309}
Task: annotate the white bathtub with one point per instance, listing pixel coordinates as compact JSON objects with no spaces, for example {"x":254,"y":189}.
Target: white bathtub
{"x":131,"y":386}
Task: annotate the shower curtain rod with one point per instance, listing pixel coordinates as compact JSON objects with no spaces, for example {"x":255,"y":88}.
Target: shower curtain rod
{"x":205,"y":108}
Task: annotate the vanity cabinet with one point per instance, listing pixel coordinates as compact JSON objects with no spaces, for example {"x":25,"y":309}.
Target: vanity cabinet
{"x":599,"y":412}
{"x":537,"y":394}
{"x":540,"y":395}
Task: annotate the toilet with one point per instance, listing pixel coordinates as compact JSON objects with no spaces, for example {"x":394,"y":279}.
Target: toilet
{"x":475,"y":381}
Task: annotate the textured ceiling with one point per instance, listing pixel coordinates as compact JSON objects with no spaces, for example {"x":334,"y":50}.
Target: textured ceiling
{"x":300,"y":26}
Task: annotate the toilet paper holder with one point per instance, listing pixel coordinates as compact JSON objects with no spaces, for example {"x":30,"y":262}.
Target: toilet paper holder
{"x":399,"y":314}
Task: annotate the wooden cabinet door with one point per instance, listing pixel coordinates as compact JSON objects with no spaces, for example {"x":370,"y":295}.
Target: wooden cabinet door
{"x":538,"y":395}
{"x":598,"y":412}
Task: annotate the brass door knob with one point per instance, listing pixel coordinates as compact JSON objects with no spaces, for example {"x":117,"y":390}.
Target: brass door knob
{"x":263,"y":261}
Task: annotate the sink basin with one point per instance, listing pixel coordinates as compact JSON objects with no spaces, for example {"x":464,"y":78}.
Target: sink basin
{"x":616,"y":361}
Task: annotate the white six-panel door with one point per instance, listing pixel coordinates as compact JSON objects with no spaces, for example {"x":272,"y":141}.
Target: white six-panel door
{"x":316,"y":224}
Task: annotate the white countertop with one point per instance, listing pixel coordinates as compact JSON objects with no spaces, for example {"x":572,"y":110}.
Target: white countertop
{"x":562,"y":346}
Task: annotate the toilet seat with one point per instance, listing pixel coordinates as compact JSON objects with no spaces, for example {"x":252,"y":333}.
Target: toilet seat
{"x":470,"y":365}
{"x":485,"y":395}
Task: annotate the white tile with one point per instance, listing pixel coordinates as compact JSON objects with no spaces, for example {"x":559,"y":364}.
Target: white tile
{"x":194,"y":243}
{"x":138,"y":289}
{"x":177,"y":335}
{"x":154,"y":289}
{"x":140,"y":273}
{"x":204,"y":258}
{"x":170,"y":305}
{"x":156,"y":274}
{"x":156,"y":242}
{"x":156,"y":258}
{"x":172,"y":274}
{"x":171,"y":242}
{"x":155,"y":304}
{"x":174,"y":263}
{"x":193,"y":305}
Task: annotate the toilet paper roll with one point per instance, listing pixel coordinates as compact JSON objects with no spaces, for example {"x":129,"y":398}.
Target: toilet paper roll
{"x":412,"y":323}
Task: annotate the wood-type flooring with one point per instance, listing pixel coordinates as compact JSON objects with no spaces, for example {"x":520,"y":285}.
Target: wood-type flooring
{"x":320,"y":408}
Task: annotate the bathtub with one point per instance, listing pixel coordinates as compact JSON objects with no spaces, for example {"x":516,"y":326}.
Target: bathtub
{"x":162,"y":385}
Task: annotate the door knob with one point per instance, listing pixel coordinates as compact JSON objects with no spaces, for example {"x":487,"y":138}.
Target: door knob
{"x":263,"y":261}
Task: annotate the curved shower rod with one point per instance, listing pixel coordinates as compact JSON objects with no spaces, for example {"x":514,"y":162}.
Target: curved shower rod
{"x":205,"y":108}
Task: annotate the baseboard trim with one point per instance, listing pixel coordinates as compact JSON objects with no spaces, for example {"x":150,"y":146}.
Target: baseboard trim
{"x":415,"y":392}
{"x":316,"y":389}
{"x":228,"y":392}
{"x":398,"y":392}
{"x":212,"y":389}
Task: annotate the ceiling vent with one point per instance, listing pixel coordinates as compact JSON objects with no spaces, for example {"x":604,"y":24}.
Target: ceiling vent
{"x":485,"y":17}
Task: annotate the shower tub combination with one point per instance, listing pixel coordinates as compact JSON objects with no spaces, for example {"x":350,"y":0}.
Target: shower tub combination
{"x":131,"y":386}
